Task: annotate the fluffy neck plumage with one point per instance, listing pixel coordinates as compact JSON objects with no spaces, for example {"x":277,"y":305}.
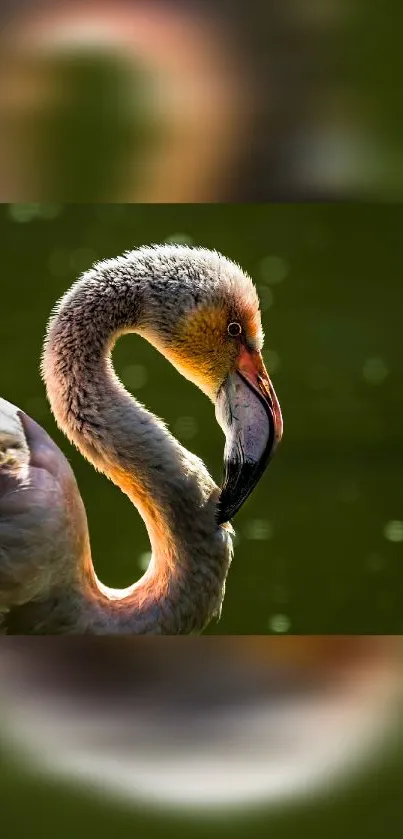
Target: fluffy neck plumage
{"x":184,"y":584}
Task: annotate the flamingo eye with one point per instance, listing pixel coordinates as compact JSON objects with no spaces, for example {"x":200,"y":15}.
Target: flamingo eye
{"x":234,"y":329}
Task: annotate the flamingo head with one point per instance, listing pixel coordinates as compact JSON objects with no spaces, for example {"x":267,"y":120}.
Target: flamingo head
{"x":210,"y":328}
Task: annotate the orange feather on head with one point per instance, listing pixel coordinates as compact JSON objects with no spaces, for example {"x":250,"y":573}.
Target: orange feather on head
{"x":202,"y":348}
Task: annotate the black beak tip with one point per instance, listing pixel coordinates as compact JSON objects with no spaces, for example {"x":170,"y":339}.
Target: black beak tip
{"x":239,"y":483}
{"x":222,"y":516}
{"x":228,"y":506}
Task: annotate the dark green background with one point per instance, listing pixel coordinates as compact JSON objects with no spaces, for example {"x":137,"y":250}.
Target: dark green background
{"x":31,"y":807}
{"x":314,"y":545}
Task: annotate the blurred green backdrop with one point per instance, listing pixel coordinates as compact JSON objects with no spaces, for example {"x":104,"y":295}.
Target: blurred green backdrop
{"x":320,"y":543}
{"x":33,"y":806}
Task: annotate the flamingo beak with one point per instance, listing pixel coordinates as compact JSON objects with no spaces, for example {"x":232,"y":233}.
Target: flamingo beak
{"x":249,"y":413}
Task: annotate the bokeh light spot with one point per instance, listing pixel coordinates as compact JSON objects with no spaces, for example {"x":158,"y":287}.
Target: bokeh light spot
{"x":28,"y":212}
{"x":186,"y":428}
{"x":22,"y":212}
{"x":375,"y":562}
{"x":280,"y":623}
{"x":393,"y":531}
{"x":144,"y":560}
{"x":273,"y":270}
{"x":350,"y":492}
{"x":135,"y":376}
{"x":258,"y":529}
{"x":179,"y":239}
{"x":375,"y":371}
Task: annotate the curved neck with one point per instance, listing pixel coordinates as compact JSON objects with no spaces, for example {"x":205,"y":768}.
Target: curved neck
{"x":173,"y":492}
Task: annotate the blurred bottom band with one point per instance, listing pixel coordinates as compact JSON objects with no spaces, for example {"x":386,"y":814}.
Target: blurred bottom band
{"x":201,"y":724}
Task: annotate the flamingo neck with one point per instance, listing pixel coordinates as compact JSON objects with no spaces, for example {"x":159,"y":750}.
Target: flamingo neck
{"x":183,"y":586}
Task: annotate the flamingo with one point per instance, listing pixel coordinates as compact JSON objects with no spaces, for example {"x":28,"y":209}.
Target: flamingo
{"x":201,"y":311}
